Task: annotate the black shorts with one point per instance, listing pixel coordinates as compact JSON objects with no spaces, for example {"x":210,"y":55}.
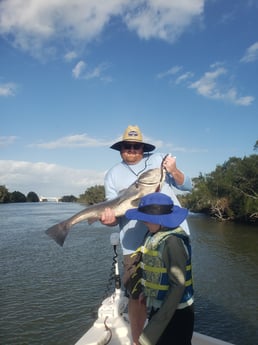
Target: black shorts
{"x":180,"y":327}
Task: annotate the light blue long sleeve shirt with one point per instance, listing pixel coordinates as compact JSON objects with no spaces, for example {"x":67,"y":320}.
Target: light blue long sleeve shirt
{"x":120,"y":177}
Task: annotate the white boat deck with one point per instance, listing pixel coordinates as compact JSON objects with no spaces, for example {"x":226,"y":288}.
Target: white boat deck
{"x":112,"y":326}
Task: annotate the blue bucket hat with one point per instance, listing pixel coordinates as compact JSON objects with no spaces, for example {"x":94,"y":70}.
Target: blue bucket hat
{"x":158,"y":208}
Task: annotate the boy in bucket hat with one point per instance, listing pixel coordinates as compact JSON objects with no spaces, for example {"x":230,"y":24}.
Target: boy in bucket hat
{"x":137,"y":157}
{"x":164,"y":272}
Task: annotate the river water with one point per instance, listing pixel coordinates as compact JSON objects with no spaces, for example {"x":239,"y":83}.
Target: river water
{"x":49,"y":294}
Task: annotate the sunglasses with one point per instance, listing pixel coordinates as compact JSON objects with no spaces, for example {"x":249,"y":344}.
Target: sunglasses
{"x":128,"y":146}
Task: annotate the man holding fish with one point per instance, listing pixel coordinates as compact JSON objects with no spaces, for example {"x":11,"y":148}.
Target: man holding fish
{"x":137,"y":158}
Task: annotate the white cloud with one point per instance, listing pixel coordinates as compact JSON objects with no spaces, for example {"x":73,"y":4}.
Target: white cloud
{"x":213,"y":84}
{"x":47,"y":179}
{"x":251,"y":53}
{"x":184,"y":77}
{"x":163,"y":19}
{"x":174,"y":71}
{"x":6,"y":141}
{"x":7,"y":89}
{"x":36,"y":25}
{"x":171,"y":71}
{"x":207,"y":84}
{"x":233,"y":96}
{"x":78,"y":69}
{"x":84,"y":140}
{"x":70,"y":56}
{"x":80,"y":72}
{"x":98,"y":72}
{"x":77,"y":140}
{"x":210,"y":86}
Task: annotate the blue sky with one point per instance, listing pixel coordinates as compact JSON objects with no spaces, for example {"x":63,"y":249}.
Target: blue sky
{"x":74,"y":74}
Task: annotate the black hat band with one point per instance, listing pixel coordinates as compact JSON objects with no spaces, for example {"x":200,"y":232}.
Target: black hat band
{"x":156,"y":209}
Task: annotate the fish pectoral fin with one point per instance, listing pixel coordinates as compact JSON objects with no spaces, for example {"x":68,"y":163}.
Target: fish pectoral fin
{"x":92,"y":220}
{"x":135,"y":202}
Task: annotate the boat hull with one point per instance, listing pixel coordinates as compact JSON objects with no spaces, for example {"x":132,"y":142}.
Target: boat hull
{"x":112,"y":326}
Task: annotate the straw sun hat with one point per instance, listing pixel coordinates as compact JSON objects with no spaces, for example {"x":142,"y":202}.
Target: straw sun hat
{"x":133,"y":134}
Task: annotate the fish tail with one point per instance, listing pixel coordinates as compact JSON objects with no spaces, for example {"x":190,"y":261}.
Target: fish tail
{"x":59,"y":232}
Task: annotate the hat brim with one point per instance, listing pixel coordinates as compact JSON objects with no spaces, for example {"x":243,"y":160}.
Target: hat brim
{"x":146,"y":147}
{"x":171,"y":220}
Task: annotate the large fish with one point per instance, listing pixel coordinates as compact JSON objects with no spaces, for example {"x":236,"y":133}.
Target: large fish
{"x":148,"y":182}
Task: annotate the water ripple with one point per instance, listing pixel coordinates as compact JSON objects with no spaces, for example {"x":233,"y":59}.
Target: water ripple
{"x":49,"y":295}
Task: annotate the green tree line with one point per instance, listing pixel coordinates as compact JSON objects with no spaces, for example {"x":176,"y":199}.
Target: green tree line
{"x":91,"y":196}
{"x":230,"y":192}
{"x":16,"y":196}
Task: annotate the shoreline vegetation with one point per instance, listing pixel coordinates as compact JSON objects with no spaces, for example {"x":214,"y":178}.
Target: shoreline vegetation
{"x":229,"y":193}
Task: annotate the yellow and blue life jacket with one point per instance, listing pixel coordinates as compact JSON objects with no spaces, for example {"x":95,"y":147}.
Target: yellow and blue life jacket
{"x":155,"y":278}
